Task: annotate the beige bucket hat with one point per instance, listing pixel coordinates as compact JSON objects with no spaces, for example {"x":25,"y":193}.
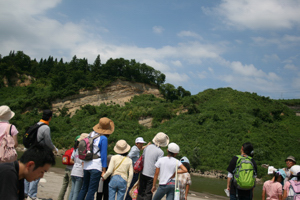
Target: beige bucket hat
{"x":5,"y":113}
{"x":161,"y":139}
{"x":121,"y":147}
{"x":105,"y":126}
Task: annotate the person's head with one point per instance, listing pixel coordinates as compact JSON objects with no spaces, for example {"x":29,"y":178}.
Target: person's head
{"x":139,"y":142}
{"x":247,"y":149}
{"x":279,"y":176}
{"x":5,"y":113}
{"x":47,"y":115}
{"x":161,"y":139}
{"x":185,"y":161}
{"x":290,"y":161}
{"x":295,"y":172}
{"x":122,"y":147}
{"x":37,"y":160}
{"x":76,"y":142}
{"x":173,"y":149}
{"x":105,"y":126}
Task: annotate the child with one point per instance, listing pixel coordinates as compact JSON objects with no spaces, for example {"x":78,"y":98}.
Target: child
{"x":292,"y":186}
{"x":185,"y":179}
{"x":166,"y":168}
{"x":77,"y":171}
{"x":273,"y":188}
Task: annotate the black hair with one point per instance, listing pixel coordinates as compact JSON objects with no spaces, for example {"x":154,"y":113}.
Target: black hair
{"x":248,"y":148}
{"x":46,"y":115}
{"x":124,"y":154}
{"x":276,"y":175}
{"x":76,"y":144}
{"x":171,"y":154}
{"x":187,"y":166}
{"x":297,"y":176}
{"x":39,"y":154}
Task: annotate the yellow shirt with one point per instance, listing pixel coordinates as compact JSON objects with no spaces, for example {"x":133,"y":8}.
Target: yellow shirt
{"x":125,"y":170}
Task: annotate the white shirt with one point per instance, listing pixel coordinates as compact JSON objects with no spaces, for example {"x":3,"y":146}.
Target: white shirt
{"x":167,"y":166}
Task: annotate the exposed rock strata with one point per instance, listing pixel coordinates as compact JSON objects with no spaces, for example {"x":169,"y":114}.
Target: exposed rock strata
{"x":118,"y":92}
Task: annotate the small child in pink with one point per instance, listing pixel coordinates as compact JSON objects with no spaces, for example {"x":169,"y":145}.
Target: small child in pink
{"x":273,"y":187}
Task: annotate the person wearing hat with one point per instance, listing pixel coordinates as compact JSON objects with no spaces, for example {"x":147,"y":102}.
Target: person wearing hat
{"x":93,"y":169}
{"x":289,"y":161}
{"x":134,"y":154}
{"x":185,"y":179}
{"x":165,"y":169}
{"x":121,"y":171}
{"x":294,"y":181}
{"x":151,"y":154}
{"x":77,"y":171}
{"x":272,"y":189}
{"x":5,"y":115}
{"x":44,"y":139}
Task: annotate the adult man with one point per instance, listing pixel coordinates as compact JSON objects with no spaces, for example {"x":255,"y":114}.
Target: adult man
{"x":31,"y":166}
{"x":134,"y":154}
{"x":289,"y":161}
{"x":44,"y":139}
{"x":151,"y":154}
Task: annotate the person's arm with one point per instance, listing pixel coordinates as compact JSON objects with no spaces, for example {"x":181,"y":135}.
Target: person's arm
{"x":46,"y":136}
{"x":228,"y":183}
{"x":155,"y":179}
{"x":103,"y":152}
{"x":110,"y":169}
{"x":182,"y":169}
{"x":146,"y":145}
{"x":187,"y":188}
{"x":130,"y":175}
{"x":15,"y":137}
{"x":263,"y":195}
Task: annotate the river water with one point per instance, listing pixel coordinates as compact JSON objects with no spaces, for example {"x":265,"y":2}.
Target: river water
{"x":216,"y":186}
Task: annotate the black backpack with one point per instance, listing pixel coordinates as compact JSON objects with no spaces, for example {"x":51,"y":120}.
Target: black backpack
{"x":30,"y":136}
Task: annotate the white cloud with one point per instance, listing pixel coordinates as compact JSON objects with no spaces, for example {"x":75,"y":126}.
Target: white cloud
{"x":189,"y":34}
{"x":176,"y":78}
{"x":271,"y":58}
{"x":177,"y":63}
{"x":290,"y":67}
{"x":157,"y":29}
{"x":257,"y":14}
{"x":202,"y":75}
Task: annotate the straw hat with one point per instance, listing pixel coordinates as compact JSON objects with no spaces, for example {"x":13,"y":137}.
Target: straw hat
{"x":105,"y":126}
{"x":6,"y":114}
{"x":82,"y":136}
{"x":121,"y":147}
{"x":161,"y":139}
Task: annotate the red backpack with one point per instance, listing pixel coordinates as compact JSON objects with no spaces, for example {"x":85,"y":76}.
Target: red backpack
{"x":66,"y":158}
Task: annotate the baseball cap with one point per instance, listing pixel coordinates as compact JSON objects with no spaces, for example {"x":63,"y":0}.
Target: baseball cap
{"x":139,"y":140}
{"x":173,"y":148}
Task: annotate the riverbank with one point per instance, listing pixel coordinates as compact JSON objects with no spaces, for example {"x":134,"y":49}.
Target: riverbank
{"x":50,"y":186}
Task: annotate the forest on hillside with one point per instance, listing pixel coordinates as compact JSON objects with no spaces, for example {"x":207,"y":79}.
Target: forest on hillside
{"x":213,"y":128}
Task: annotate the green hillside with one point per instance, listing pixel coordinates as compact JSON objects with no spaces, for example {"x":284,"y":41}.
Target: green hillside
{"x":216,"y":124}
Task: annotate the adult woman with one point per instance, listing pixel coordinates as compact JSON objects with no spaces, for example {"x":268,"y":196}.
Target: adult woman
{"x":273,"y":188}
{"x":185,"y":179}
{"x":166,"y":168}
{"x":92,"y":168}
{"x":246,"y":151}
{"x":121,"y":171}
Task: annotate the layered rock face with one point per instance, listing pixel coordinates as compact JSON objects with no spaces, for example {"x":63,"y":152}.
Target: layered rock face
{"x":117,"y":92}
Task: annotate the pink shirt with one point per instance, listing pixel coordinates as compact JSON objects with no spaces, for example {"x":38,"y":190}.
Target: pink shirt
{"x":3,"y":127}
{"x":273,"y":189}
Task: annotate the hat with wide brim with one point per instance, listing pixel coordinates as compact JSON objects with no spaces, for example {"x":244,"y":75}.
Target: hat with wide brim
{"x":105,"y":126}
{"x":161,"y":139}
{"x":5,"y":113}
{"x":121,"y":147}
{"x":82,"y":136}
{"x":292,"y":158}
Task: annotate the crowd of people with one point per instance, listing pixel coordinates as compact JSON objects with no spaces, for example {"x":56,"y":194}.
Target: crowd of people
{"x":104,"y":176}
{"x":114,"y":176}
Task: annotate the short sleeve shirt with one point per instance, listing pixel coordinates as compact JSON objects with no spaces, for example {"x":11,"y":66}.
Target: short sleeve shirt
{"x":167,"y":167}
{"x":3,"y":127}
{"x":273,"y":189}
{"x":77,"y":167}
{"x":134,"y":154}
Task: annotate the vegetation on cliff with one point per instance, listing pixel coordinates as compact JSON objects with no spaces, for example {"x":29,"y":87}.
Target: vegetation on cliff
{"x":216,"y":124}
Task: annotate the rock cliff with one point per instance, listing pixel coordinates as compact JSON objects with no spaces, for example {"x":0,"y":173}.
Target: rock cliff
{"x":117,"y":92}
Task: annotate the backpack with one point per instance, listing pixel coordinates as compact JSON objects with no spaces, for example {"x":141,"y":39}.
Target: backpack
{"x":244,"y":173}
{"x":85,"y":148}
{"x":294,"y":192}
{"x":30,"y":136}
{"x":66,"y":158}
{"x":7,"y":147}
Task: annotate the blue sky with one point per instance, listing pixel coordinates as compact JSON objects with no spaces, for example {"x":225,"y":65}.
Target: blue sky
{"x":248,"y":45}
